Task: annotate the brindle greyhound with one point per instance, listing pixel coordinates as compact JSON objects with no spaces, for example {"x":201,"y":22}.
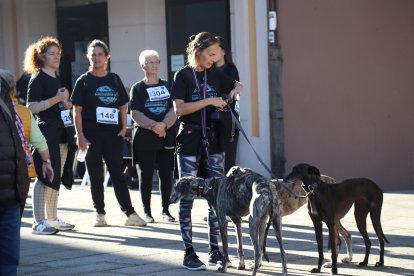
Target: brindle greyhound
{"x":237,"y":196}
{"x":330,"y":203}
{"x":291,"y":203}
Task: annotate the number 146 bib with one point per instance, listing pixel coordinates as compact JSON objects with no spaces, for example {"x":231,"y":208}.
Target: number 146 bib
{"x":106,"y":115}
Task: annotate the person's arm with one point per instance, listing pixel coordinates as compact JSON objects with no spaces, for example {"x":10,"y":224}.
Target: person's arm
{"x":185,"y":108}
{"x":123,"y":112}
{"x":142,"y":120}
{"x":36,"y":137}
{"x":80,"y":138}
{"x":170,"y":118}
{"x":237,"y":90}
{"x":40,"y":106}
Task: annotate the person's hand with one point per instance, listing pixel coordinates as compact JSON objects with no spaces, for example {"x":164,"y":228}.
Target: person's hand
{"x":217,"y":102}
{"x":67,"y":104}
{"x":81,"y":142}
{"x":62,"y":94}
{"x":122,"y":132}
{"x":47,"y":171}
{"x":236,"y":92}
{"x":159,"y":129}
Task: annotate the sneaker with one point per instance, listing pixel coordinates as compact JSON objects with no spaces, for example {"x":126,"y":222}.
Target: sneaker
{"x":166,"y":216}
{"x":43,"y":228}
{"x":135,"y":220}
{"x":100,"y":220}
{"x":215,"y":257}
{"x":148,"y":218}
{"x":60,"y":224}
{"x":191,"y":262}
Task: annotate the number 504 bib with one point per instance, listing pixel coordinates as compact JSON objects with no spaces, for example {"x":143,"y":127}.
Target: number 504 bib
{"x":106,"y":115}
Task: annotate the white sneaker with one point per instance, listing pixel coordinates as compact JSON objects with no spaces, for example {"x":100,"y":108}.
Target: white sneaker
{"x":135,"y":220}
{"x":43,"y":228}
{"x":60,"y":224}
{"x":148,"y":218}
{"x":100,"y":220}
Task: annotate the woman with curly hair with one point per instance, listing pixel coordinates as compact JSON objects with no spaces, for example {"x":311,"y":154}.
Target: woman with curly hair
{"x":48,"y":100}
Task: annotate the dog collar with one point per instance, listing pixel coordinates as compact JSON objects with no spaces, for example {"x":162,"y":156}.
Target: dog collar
{"x":200,"y":190}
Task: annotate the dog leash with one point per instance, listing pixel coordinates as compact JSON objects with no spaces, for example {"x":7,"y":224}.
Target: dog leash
{"x":274,"y":178}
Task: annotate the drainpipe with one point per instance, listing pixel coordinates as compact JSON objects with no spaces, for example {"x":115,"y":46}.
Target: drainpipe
{"x":275,"y":94}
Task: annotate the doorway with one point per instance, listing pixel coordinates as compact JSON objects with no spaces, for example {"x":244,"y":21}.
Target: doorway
{"x":188,"y":17}
{"x":77,"y":25}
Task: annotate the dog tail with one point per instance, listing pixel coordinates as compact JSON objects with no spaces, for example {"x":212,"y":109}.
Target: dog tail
{"x":265,"y":238}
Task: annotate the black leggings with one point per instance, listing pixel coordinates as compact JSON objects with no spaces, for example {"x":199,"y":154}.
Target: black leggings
{"x":108,"y":146}
{"x":146,"y":164}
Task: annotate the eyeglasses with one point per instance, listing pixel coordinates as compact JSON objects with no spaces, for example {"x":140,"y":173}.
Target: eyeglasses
{"x":152,"y":63}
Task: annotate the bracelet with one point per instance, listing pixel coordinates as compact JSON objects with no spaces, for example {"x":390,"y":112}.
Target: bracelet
{"x":46,"y":161}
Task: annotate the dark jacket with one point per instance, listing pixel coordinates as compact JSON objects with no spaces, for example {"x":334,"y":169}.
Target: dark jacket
{"x":14,"y":179}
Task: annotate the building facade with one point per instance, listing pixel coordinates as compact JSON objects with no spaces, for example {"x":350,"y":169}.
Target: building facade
{"x":344,"y":70}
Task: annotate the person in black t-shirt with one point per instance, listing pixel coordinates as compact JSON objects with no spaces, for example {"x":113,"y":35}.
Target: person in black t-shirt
{"x":100,"y":111}
{"x":48,"y":100}
{"x":198,"y":91}
{"x":226,"y":65}
{"x":154,"y":135}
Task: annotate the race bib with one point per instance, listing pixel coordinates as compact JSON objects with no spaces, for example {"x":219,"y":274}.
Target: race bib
{"x":66,"y":118}
{"x":106,"y":115}
{"x":158,"y":93}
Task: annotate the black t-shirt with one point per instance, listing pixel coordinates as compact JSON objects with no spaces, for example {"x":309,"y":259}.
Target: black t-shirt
{"x":154,"y":101}
{"x":100,"y":98}
{"x":189,"y":139}
{"x":230,"y":71}
{"x":43,"y":87}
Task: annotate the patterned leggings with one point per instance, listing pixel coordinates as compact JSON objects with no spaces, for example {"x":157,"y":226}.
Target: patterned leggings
{"x":45,"y":197}
{"x":188,"y":166}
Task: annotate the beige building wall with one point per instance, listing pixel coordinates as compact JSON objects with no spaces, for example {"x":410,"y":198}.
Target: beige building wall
{"x":133,"y":27}
{"x":348,"y":80}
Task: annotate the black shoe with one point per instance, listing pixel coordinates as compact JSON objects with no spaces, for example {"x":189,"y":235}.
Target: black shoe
{"x":215,"y":257}
{"x":191,"y":262}
{"x":166,"y":216}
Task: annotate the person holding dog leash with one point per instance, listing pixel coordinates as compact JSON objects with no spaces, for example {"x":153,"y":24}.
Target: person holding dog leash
{"x":198,"y":90}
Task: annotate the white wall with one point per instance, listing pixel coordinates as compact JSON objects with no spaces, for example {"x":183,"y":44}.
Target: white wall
{"x":135,"y":26}
{"x":34,"y":19}
{"x":240,"y":47}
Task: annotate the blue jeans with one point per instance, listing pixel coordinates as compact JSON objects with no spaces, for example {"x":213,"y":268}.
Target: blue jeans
{"x":9,"y":239}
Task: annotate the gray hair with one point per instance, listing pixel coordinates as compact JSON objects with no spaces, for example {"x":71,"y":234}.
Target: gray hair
{"x":147,"y":53}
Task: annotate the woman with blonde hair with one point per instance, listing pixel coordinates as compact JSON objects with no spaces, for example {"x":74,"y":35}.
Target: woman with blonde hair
{"x":199,"y":91}
{"x":48,"y":100}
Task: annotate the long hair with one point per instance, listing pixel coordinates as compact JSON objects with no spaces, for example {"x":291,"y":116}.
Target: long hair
{"x":34,"y":54}
{"x":97,"y":43}
{"x":228,"y":59}
{"x":198,"y":43}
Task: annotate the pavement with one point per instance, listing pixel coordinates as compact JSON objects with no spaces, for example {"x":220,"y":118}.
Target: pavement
{"x":157,"y":248}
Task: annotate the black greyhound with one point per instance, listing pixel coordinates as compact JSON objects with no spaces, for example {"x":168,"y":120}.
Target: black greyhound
{"x":236,"y":196}
{"x":330,"y":203}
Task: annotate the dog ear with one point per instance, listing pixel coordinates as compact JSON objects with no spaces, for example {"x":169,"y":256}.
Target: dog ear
{"x":314,"y":170}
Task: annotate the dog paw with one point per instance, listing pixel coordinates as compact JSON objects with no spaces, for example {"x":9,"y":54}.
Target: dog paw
{"x":334,"y":271}
{"x":221,"y":269}
{"x":327,"y":265}
{"x":315,"y":270}
{"x":346,"y":260}
{"x":379,"y":264}
{"x":251,"y":265}
{"x":241,"y":266}
{"x":362,"y":264}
